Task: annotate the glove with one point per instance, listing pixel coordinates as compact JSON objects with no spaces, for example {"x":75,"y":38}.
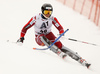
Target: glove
{"x":60,"y":34}
{"x":21,"y":39}
{"x":62,"y":31}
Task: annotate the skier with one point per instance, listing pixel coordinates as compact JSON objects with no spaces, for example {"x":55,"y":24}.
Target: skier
{"x":42,"y":23}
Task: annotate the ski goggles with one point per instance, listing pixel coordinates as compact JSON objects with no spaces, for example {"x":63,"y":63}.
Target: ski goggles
{"x":47,"y":12}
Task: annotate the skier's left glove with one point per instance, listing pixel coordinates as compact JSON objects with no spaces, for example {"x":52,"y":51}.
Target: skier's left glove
{"x":62,"y":31}
{"x":21,"y":39}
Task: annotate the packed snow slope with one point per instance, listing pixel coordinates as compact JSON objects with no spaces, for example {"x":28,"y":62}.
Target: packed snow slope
{"x":15,"y":59}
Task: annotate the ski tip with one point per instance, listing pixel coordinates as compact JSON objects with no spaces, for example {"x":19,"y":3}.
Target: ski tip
{"x":88,"y":65}
{"x":34,"y":48}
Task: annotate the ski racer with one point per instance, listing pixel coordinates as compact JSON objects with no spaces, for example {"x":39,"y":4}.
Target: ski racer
{"x":42,"y":24}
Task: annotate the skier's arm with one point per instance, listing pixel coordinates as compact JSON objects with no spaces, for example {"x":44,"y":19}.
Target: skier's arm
{"x":30,"y":23}
{"x":57,"y":25}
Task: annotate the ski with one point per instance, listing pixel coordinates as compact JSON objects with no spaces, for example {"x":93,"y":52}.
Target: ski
{"x":88,"y":65}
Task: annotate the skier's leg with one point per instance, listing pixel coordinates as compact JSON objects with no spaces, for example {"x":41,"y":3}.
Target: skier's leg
{"x":54,"y":48}
{"x":38,"y":39}
{"x":75,"y":56}
{"x":42,"y":41}
{"x":71,"y":53}
{"x":52,"y":38}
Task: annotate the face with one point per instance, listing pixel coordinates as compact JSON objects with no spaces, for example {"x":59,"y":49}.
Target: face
{"x":47,"y":13}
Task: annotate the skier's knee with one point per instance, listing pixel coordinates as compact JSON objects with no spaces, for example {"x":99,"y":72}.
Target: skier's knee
{"x":39,"y":41}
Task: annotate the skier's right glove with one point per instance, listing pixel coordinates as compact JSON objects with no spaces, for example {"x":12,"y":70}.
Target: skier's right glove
{"x":21,"y":39}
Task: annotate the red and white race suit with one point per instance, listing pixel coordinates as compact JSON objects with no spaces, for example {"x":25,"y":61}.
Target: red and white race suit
{"x":43,"y":27}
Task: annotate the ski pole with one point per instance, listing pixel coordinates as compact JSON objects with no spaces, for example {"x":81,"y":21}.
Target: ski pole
{"x":82,"y":41}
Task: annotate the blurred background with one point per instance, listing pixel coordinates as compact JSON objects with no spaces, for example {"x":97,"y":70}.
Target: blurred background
{"x":88,"y":8}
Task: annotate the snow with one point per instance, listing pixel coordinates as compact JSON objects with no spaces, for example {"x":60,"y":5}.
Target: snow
{"x":14,"y":59}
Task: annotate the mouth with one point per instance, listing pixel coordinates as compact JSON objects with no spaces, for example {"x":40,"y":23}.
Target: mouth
{"x":46,"y":15}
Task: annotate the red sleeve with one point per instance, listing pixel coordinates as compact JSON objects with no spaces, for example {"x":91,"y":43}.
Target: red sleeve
{"x":26,"y":27}
{"x":58,"y":25}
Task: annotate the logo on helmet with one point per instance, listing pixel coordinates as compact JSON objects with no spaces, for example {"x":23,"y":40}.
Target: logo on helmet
{"x":48,"y":8}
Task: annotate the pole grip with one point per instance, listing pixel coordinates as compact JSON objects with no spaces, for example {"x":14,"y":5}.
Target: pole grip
{"x":72,"y":39}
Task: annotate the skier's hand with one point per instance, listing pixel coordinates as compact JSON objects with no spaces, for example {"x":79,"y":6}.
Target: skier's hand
{"x":60,"y":34}
{"x":62,"y":31}
{"x":21,"y":40}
